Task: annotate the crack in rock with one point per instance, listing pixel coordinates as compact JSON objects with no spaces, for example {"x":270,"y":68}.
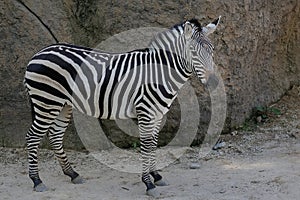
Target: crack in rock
{"x":40,"y":20}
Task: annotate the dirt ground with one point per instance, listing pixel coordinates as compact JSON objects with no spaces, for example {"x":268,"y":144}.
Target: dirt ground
{"x":261,"y":162}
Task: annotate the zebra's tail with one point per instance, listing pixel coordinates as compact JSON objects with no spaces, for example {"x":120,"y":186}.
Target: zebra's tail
{"x":29,"y":99}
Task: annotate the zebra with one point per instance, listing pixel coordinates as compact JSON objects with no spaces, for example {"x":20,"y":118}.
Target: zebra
{"x":140,"y":84}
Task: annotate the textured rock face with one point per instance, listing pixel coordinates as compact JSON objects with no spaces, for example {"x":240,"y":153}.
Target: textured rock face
{"x":256,"y":49}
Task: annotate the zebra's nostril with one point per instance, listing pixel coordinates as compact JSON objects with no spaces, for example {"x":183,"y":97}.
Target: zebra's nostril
{"x":212,"y":82}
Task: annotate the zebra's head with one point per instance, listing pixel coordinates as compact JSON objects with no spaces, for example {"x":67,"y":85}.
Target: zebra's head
{"x":199,"y":50}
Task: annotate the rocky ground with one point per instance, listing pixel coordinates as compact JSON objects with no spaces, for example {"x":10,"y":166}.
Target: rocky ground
{"x":261,"y":160}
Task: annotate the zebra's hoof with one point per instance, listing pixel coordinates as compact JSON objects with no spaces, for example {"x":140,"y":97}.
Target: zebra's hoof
{"x":78,"y":180}
{"x":40,"y":188}
{"x":161,"y":183}
{"x":153,"y":193}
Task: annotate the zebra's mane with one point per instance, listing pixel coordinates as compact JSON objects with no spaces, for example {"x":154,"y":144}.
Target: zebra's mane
{"x":193,"y":21}
{"x":176,"y":30}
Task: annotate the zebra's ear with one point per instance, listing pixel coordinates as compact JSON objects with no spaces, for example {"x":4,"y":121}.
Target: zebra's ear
{"x":188,"y":30}
{"x":211,"y":27}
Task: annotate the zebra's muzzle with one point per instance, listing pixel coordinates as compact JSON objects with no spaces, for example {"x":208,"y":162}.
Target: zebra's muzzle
{"x":212,"y":82}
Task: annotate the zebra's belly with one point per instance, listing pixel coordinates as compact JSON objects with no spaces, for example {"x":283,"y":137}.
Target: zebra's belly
{"x":122,"y":115}
{"x":114,"y":110}
{"x":122,"y":112}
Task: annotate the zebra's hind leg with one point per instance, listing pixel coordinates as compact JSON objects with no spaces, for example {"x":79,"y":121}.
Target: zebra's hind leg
{"x":42,"y":119}
{"x":56,"y":134}
{"x":33,"y":140}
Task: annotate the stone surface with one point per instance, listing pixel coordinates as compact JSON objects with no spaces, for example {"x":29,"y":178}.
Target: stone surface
{"x":256,"y":49}
{"x":21,"y":35}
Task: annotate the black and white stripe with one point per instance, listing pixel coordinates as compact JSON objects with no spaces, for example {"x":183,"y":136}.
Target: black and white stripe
{"x":139,"y":84}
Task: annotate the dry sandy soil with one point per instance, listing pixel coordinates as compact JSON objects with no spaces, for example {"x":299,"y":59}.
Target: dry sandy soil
{"x":263,"y":163}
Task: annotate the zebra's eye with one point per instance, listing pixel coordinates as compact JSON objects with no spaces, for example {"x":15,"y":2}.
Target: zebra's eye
{"x":204,"y":45}
{"x":207,"y":47}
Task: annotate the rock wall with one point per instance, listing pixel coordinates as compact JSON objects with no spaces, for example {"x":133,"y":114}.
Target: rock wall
{"x":257,"y":48}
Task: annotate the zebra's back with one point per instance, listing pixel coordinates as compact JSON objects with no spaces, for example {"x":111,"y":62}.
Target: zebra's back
{"x":96,"y":83}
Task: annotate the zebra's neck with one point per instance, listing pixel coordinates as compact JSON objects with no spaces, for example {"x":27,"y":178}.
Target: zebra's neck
{"x":168,"y":37}
{"x":172,"y":42}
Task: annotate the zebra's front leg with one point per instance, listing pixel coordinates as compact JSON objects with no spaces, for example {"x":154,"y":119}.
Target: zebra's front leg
{"x":158,"y":179}
{"x":146,"y":155}
{"x":148,"y":135}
